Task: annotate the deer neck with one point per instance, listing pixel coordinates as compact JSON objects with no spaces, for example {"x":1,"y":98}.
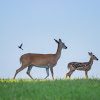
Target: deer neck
{"x":91,"y":61}
{"x":58,"y":53}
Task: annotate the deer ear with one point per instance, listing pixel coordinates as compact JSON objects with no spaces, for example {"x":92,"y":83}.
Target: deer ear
{"x":59,"y":40}
{"x":90,"y":53}
{"x":56,"y":41}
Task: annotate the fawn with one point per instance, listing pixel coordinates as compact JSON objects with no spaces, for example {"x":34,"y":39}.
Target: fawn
{"x":85,"y":66}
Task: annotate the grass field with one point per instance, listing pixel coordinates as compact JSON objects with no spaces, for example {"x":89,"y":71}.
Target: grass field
{"x":26,"y":89}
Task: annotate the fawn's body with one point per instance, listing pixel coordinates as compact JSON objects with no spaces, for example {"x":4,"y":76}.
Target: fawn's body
{"x":86,"y":66}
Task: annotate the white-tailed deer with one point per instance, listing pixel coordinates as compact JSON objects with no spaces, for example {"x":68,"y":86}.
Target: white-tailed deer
{"x":41,"y":60}
{"x":86,"y":66}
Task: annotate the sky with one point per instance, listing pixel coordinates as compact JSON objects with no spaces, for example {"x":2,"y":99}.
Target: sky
{"x":36,"y":23}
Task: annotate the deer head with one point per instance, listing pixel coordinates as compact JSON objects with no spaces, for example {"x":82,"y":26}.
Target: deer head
{"x":93,"y":56}
{"x":61,"y":44}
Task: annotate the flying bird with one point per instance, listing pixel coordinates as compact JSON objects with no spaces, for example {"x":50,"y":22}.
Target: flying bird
{"x":20,"y":46}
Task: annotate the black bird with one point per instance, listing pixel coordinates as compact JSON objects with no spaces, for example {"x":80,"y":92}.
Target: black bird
{"x":20,"y":46}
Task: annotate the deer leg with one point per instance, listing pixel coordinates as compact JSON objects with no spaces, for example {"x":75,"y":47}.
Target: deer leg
{"x":70,"y":76}
{"x":28,"y":71}
{"x":47,"y":71}
{"x":18,"y":70}
{"x":51,"y":68}
{"x":86,"y":74}
{"x":69,"y":73}
{"x":66,"y":75}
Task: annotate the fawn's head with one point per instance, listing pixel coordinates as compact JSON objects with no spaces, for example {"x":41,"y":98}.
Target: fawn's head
{"x":61,"y":44}
{"x":93,"y":56}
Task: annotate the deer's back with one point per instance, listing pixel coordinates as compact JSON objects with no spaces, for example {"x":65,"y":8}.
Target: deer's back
{"x":37,"y":59}
{"x":79,"y":66}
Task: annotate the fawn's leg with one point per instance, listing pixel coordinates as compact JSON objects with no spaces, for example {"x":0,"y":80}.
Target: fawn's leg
{"x":69,"y":73}
{"x":86,"y":74}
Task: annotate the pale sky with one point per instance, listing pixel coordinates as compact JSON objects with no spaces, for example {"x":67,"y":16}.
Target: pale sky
{"x":36,"y":23}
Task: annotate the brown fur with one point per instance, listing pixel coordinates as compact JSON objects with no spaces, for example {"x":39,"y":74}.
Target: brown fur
{"x":49,"y":60}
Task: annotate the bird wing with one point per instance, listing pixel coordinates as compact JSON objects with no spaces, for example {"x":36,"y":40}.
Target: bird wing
{"x":21,"y":45}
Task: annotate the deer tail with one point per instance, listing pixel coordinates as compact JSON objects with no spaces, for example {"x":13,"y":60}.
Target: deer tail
{"x":20,"y":61}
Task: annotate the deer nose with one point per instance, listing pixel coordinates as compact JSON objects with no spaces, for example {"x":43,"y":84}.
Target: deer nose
{"x":65,"y":47}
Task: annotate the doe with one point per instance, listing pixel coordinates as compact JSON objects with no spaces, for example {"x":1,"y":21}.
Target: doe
{"x":86,"y":66}
{"x":41,"y":60}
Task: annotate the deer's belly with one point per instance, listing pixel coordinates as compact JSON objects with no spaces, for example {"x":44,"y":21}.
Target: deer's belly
{"x":80,"y":68}
{"x":41,"y":66}
{"x":83,"y":68}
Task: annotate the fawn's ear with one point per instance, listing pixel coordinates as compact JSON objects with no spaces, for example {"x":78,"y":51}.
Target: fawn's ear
{"x":56,"y":41}
{"x":90,"y":53}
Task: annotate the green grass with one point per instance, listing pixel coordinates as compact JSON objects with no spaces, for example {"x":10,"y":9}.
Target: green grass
{"x":76,"y":89}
